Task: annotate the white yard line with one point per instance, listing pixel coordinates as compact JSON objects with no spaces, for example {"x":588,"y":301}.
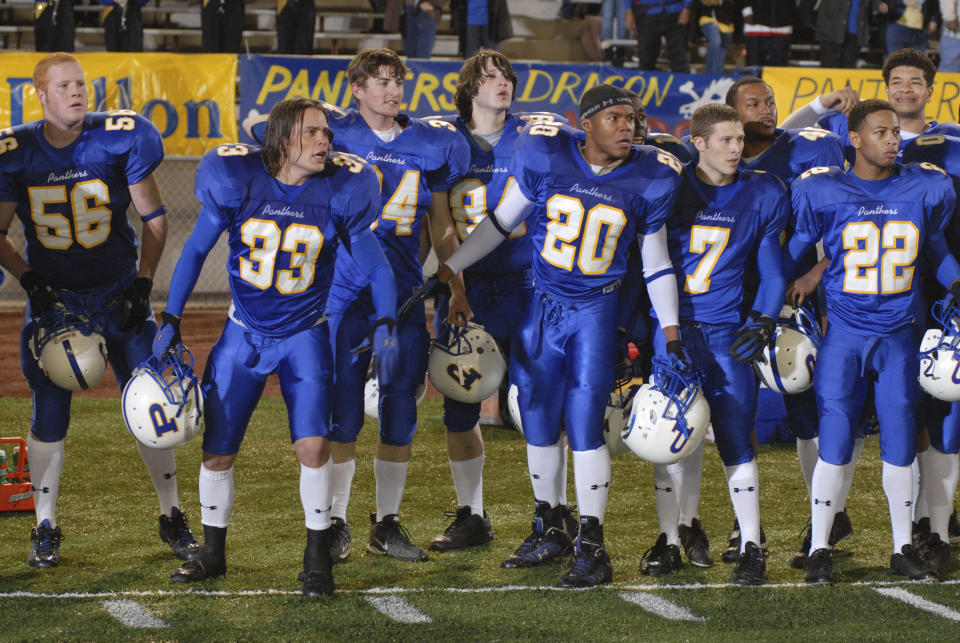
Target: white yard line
{"x":903,"y":595}
{"x":659,"y":606}
{"x":399,"y":610}
{"x":133,"y":614}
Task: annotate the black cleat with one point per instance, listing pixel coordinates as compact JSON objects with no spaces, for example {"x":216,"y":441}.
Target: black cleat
{"x":518,"y":558}
{"x":935,"y":553}
{"x":569,"y":522}
{"x":317,"y":576}
{"x":661,"y":559}
{"x":695,"y":544}
{"x":590,"y":565}
{"x":175,"y":531}
{"x":798,"y":560}
{"x":389,"y":538}
{"x":752,"y":568}
{"x":339,"y":540}
{"x":921,"y":532}
{"x":910,"y":563}
{"x":732,"y":553}
{"x":841,"y":528}
{"x":45,"y":545}
{"x":818,"y":569}
{"x":953,"y":530}
{"x":467,"y":530}
{"x":549,"y":538}
{"x":203,"y":566}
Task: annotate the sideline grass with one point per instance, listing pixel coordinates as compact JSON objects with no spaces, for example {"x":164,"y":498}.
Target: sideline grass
{"x":108,"y":514}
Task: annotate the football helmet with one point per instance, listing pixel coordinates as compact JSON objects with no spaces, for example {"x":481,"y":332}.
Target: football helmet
{"x":669,"y":416}
{"x":371,"y":395}
{"x":940,"y":355}
{"x":465,"y":362}
{"x":513,"y":406}
{"x":162,"y":402}
{"x":69,"y":348}
{"x":792,"y":353}
{"x":617,"y":413}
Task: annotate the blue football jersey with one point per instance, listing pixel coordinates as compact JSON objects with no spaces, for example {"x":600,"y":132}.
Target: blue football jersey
{"x":481,"y":189}
{"x":837,"y":123}
{"x":427,"y":156}
{"x":794,"y":151}
{"x":873,"y":233}
{"x":713,"y":237}
{"x":73,"y":200}
{"x":669,"y":143}
{"x":584,"y":221}
{"x":283,"y":239}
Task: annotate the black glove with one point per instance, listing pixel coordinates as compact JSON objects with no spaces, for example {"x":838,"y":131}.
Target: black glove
{"x":168,"y":337}
{"x":752,"y":338}
{"x":41,"y":294}
{"x":430,"y":288}
{"x":135,"y":300}
{"x":677,"y":350}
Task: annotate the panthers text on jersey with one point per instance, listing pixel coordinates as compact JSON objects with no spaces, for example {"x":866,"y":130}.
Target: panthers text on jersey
{"x":713,"y":237}
{"x":283,"y":239}
{"x":426,"y":157}
{"x":585,"y":221}
{"x":873,"y":233}
{"x":73,"y":200}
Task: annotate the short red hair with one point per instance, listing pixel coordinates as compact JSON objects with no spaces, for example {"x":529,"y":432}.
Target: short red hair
{"x":40,"y":71}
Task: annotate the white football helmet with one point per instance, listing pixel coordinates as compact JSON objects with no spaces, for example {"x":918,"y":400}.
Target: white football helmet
{"x":940,"y":355}
{"x":669,"y":417}
{"x":69,"y":349}
{"x":371,"y":395}
{"x":792,"y":353}
{"x":513,"y":406}
{"x":162,"y":402}
{"x":617,"y":413}
{"x":465,"y":363}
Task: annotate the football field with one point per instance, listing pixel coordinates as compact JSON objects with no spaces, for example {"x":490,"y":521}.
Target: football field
{"x":113,"y":580}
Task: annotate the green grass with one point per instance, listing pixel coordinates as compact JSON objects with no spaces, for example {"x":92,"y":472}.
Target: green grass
{"x":108,"y":513}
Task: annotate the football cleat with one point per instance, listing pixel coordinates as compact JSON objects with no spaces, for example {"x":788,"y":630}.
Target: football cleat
{"x":317,"y":575}
{"x":467,"y":530}
{"x":203,"y":566}
{"x":953,"y":530}
{"x":339,"y":539}
{"x":175,"y":531}
{"x":570,"y":523}
{"x":389,"y":538}
{"x":752,"y":568}
{"x":936,"y":553}
{"x":910,"y":563}
{"x":732,"y":553}
{"x":661,"y":559}
{"x":590,"y":565}
{"x":818,"y":567}
{"x":841,"y":528}
{"x":549,"y":537}
{"x":921,"y":531}
{"x":45,"y":545}
{"x":695,"y":544}
{"x":798,"y":560}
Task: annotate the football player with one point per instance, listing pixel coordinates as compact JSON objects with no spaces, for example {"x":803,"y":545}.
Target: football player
{"x":498,"y":287}
{"x":722,"y":213}
{"x":286,"y":208}
{"x":591,"y":192}
{"x":874,"y":220}
{"x":70,"y":179}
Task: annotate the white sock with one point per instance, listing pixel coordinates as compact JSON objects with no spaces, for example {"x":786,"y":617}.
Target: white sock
{"x":316,"y":495}
{"x":919,"y":501}
{"x":939,"y":477}
{"x":544,"y":465}
{"x":391,"y":480}
{"x":340,"y":487}
{"x":826,"y":489}
{"x":46,"y":464}
{"x":562,"y":476}
{"x":808,"y":453}
{"x":743,"y":481}
{"x":667,"y":494}
{"x":468,"y":479}
{"x":216,"y":496}
{"x":591,"y":478}
{"x":896,"y":484}
{"x":848,"y":470}
{"x":689,"y":496}
{"x":162,"y":466}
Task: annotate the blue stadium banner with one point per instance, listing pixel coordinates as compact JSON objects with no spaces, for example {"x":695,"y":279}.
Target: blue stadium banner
{"x":670,"y":99}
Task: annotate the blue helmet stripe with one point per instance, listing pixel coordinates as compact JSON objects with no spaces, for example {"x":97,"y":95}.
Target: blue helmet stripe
{"x":72,"y":360}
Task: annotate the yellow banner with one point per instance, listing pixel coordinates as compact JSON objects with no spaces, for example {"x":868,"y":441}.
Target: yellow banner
{"x":190,"y":98}
{"x":794,"y":87}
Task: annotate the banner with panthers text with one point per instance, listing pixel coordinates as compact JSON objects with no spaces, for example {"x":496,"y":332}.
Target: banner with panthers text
{"x":190,"y":98}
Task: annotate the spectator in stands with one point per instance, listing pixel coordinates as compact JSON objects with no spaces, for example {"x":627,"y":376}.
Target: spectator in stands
{"x":908,"y":22}
{"x":842,"y":28}
{"x":54,"y":26}
{"x":614,"y":15}
{"x":950,"y":36}
{"x":768,"y":30}
{"x":295,"y":24}
{"x":221,"y":23}
{"x":717,"y":19}
{"x":419,"y":27}
{"x":480,"y":24}
{"x":656,"y":19}
{"x":122,"y":25}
